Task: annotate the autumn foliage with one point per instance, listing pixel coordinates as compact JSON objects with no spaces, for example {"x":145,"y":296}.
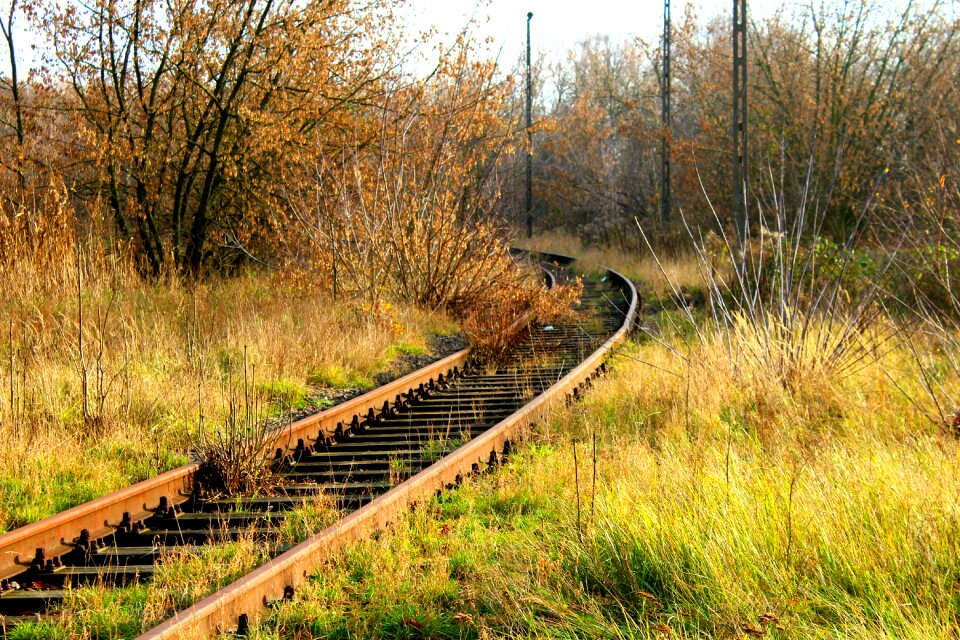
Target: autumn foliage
{"x":202,"y":137}
{"x":848,"y":103}
{"x":212,"y":136}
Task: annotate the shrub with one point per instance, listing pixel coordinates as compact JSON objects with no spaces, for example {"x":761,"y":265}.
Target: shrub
{"x":490,"y":322}
{"x":232,"y":455}
{"x":787,"y":304}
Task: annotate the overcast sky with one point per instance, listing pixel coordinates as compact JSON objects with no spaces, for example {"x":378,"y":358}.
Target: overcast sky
{"x":558,"y":24}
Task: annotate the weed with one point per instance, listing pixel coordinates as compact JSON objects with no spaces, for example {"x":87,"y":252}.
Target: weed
{"x":233,"y":456}
{"x":308,"y":519}
{"x":435,"y":448}
{"x":399,"y":470}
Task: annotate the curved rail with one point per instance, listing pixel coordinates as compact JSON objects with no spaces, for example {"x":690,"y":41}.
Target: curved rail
{"x":41,"y":542}
{"x":38,"y":547}
{"x":44,"y":540}
{"x":237,"y":604}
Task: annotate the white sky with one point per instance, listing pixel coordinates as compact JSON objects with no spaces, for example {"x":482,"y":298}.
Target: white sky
{"x":557,"y":24}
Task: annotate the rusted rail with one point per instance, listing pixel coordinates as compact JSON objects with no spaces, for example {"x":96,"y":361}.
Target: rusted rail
{"x":395,"y":415}
{"x":51,"y":537}
{"x":241,"y":602}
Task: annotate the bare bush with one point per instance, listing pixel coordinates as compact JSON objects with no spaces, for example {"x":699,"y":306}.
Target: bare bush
{"x":416,"y":211}
{"x":233,"y":459}
{"x":787,"y":305}
{"x":499,"y":316}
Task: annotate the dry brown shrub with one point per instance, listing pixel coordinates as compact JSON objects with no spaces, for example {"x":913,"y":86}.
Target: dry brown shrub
{"x":418,"y":215}
{"x":500,"y":315}
{"x":558,"y":303}
{"x":233,"y":459}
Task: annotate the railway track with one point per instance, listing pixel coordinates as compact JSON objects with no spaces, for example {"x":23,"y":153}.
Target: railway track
{"x":372,"y":456}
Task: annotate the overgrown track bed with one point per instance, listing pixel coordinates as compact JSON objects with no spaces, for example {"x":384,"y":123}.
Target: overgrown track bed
{"x":371,"y":456}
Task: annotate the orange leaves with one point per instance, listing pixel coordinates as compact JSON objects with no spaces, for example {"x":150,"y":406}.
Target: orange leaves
{"x":408,"y":205}
{"x":822,"y":104}
{"x":197,"y":116}
{"x":490,"y":319}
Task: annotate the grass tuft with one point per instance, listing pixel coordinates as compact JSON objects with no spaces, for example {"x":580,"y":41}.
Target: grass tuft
{"x":337,"y":377}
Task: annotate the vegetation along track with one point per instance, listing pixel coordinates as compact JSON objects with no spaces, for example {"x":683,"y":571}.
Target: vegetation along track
{"x":375,"y":454}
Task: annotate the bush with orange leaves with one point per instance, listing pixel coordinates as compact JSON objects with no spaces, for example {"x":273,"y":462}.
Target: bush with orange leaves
{"x":499,"y":317}
{"x":417,"y":213}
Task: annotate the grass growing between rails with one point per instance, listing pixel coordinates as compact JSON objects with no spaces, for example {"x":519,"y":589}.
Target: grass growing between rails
{"x":181,"y":579}
{"x":105,"y":375}
{"x":824,"y":510}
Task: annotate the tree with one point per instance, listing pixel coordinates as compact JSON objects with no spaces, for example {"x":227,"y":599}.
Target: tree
{"x":191,"y":110}
{"x":15,"y":121}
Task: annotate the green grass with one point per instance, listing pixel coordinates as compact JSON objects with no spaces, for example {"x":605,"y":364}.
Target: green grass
{"x":827,"y":511}
{"x":39,"y":488}
{"x":720,"y":511}
{"x":338,"y":377}
{"x":405,"y":349}
{"x":284,"y":394}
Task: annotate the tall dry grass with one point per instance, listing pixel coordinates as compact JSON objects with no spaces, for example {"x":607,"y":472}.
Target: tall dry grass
{"x":105,"y":374}
{"x":717,"y":502}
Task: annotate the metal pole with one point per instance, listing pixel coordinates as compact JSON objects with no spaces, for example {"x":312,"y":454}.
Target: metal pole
{"x":529,"y":135}
{"x":739,"y":133}
{"x":665,"y":119}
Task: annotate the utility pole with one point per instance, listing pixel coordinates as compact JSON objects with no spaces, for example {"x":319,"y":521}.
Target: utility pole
{"x":665,"y":119}
{"x":739,"y":133}
{"x":529,"y":135}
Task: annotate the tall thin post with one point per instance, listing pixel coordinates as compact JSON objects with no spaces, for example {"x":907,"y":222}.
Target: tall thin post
{"x":529,"y":135}
{"x":13,"y":405}
{"x":665,"y":119}
{"x":739,"y":133}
